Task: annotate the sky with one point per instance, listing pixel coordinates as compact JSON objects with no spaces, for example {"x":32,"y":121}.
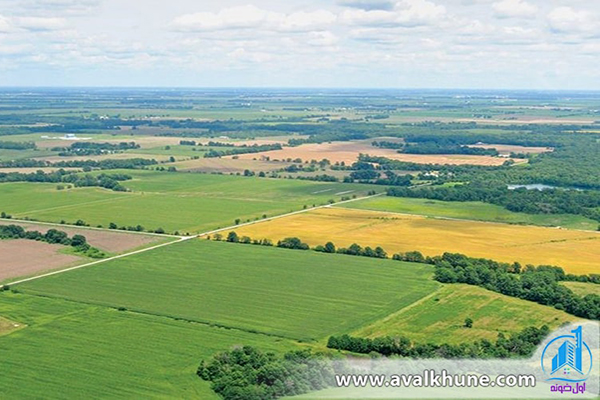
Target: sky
{"x":468,"y":44}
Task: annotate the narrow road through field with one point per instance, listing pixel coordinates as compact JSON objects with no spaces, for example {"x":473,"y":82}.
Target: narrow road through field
{"x":180,"y":239}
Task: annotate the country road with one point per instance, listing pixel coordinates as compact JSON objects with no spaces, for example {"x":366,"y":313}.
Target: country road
{"x":180,"y":239}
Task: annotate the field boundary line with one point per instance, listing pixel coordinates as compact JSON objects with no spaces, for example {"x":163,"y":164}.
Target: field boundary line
{"x":91,"y":228}
{"x":285,"y":215}
{"x":181,"y":239}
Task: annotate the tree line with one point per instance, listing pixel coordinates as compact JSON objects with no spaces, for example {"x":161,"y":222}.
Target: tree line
{"x":245,"y":149}
{"x":130,"y":163}
{"x":519,"y":345}
{"x":547,"y":201}
{"x":52,"y":236}
{"x":107,"y":181}
{"x":17,"y":145}
{"x":92,"y":148}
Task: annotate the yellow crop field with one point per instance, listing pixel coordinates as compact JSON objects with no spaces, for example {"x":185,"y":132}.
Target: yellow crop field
{"x":576,"y":251}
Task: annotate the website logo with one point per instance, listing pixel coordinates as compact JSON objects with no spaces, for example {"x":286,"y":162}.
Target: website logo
{"x":567,"y":358}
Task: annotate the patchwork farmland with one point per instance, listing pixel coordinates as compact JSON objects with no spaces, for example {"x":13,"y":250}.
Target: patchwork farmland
{"x":157,"y":182}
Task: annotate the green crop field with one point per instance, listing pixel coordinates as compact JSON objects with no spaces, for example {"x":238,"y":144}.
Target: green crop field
{"x":583,"y":288}
{"x":172,"y":201}
{"x":295,"y":294}
{"x":439,"y":317}
{"x":73,"y":350}
{"x":471,"y":210}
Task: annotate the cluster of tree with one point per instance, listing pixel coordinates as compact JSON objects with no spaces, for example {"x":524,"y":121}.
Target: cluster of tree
{"x":293,"y":243}
{"x":220,"y":144}
{"x":441,"y":148}
{"x":245,"y":149}
{"x":232,"y":237}
{"x":91,"y":148}
{"x":187,"y":142}
{"x":319,"y":178}
{"x":130,"y":163}
{"x":353,"y":250}
{"x":107,"y":181}
{"x":548,"y":201}
{"x":250,"y":374}
{"x":520,"y":345}
{"x":137,"y":228}
{"x":539,"y":284}
{"x":384,"y":144}
{"x":436,"y":145}
{"x":52,"y":236}
{"x":17,"y":145}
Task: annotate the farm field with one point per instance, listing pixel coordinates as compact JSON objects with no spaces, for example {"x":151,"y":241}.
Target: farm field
{"x":108,"y":241}
{"x":348,"y":153}
{"x":294,"y":294}
{"x":471,"y":211}
{"x":172,"y":201}
{"x":227,"y":165}
{"x":507,"y":149}
{"x":27,"y":257}
{"x":583,"y":288}
{"x":401,"y":233}
{"x":73,"y":350}
{"x":439,"y":317}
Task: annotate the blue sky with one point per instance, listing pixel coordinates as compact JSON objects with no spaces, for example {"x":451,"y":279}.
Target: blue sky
{"x":509,"y":44}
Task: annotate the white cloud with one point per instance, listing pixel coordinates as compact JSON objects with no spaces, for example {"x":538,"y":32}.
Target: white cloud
{"x":368,"y":4}
{"x":568,"y":20}
{"x":405,"y":13}
{"x":65,"y":7}
{"x":5,"y":25}
{"x":40,"y":23}
{"x":324,"y":39}
{"x":514,"y":9}
{"x":252,"y":17}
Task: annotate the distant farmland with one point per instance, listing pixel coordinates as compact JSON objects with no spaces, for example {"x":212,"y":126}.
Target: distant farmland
{"x":471,"y":210}
{"x":576,"y":251}
{"x":172,"y":201}
{"x":348,"y":152}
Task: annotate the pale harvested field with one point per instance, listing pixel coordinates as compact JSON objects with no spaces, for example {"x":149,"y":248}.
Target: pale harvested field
{"x":348,"y":153}
{"x":228,"y":165}
{"x":27,"y":257}
{"x":507,"y":149}
{"x":576,"y":251}
{"x":110,"y":241}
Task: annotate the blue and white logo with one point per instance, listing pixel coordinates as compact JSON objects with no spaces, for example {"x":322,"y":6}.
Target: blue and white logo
{"x":567,"y":358}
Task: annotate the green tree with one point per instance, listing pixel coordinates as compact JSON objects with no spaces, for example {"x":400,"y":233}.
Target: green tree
{"x":329,"y":247}
{"x":233,"y":237}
